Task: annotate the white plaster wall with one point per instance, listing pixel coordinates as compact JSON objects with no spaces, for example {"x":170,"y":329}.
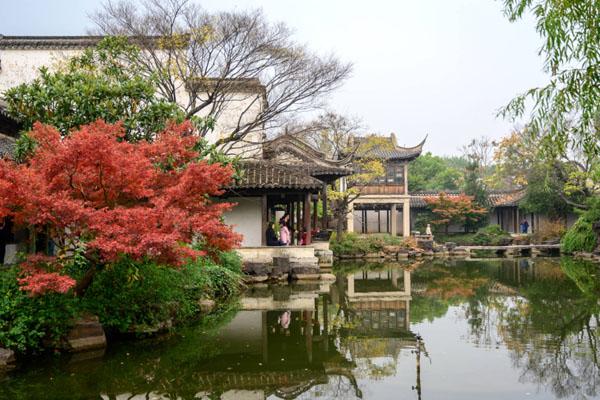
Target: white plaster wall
{"x":246,"y":219}
{"x":21,"y":66}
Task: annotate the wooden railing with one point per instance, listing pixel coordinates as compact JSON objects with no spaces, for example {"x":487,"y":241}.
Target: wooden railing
{"x":383,"y":189}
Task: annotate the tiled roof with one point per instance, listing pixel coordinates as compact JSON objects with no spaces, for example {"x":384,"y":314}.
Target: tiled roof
{"x":8,"y":126}
{"x":267,"y":175}
{"x":495,"y":199}
{"x":393,"y":152}
{"x":506,"y":199}
{"x":48,"y":42}
{"x":306,"y":158}
{"x":7,"y":146}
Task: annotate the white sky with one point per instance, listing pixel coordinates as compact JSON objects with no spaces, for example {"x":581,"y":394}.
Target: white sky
{"x":437,"y":67}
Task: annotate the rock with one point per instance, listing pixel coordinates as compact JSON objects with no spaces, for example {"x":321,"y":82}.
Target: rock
{"x":87,"y":334}
{"x":391,"y":249}
{"x":425,"y":244}
{"x":257,"y":268}
{"x":207,"y":305}
{"x":254,"y":279}
{"x":306,"y":277}
{"x":7,"y":358}
{"x":328,"y":277}
{"x":379,"y":254}
{"x":160,"y":327}
{"x":450,"y":245}
{"x":325,"y":257}
{"x":305,"y":269}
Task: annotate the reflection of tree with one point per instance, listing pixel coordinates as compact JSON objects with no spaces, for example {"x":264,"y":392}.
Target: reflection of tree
{"x":545,"y":312}
{"x":551,"y":328}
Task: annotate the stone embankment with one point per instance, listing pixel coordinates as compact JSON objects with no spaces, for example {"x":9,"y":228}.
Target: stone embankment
{"x":426,"y":247}
{"x":283,"y":269}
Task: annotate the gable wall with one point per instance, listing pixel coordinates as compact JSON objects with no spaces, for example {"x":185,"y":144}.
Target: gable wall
{"x":21,"y":66}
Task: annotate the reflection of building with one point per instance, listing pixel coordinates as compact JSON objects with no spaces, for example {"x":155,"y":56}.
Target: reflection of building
{"x":288,"y":339}
{"x":280,"y":344}
{"x":378,"y":304}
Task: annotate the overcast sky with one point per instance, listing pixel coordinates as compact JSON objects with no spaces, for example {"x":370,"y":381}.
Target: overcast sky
{"x":436,"y":67}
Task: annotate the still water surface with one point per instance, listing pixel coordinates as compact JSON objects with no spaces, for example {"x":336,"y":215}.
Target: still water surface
{"x":510,"y":329}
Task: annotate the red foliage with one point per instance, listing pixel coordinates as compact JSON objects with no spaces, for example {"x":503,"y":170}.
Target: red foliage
{"x":145,"y":200}
{"x":36,"y":278}
{"x":458,"y":209}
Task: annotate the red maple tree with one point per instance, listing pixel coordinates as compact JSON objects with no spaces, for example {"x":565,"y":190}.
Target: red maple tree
{"x":145,"y":200}
{"x":459,"y":209}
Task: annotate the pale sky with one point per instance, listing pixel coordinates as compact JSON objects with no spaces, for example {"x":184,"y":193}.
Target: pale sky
{"x":437,"y":67}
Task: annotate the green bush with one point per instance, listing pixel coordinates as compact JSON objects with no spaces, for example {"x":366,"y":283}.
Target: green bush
{"x":581,"y":236}
{"x":131,"y":295}
{"x":354,"y":244}
{"x":491,"y":235}
{"x":30,"y":324}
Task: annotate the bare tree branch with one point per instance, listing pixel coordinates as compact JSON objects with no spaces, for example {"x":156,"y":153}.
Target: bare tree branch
{"x":212,"y":62}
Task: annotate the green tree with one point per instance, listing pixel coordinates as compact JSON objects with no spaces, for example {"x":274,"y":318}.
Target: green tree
{"x":97,"y":84}
{"x":566,"y":112}
{"x":433,"y":173}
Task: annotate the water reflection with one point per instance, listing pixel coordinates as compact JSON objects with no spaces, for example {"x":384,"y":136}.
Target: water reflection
{"x":531,"y":324}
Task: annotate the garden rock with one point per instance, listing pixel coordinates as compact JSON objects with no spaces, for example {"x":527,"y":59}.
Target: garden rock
{"x":87,"y":334}
{"x":450,"y":245}
{"x":207,"y":305}
{"x":391,"y":249}
{"x":7,"y":358}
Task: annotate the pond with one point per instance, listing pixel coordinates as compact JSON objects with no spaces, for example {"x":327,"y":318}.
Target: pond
{"x":509,"y":329}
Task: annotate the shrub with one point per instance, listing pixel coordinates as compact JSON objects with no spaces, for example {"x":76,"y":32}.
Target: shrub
{"x":29,"y":324}
{"x":581,"y":236}
{"x":129,"y":295}
{"x":215,"y":281}
{"x":231,"y":261}
{"x":353,"y":244}
{"x":491,"y":235}
{"x":549,"y":230}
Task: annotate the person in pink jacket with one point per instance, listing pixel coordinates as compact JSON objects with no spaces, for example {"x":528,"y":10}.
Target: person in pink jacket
{"x":284,"y":231}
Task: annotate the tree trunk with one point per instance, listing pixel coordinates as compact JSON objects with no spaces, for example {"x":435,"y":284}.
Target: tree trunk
{"x":85,"y":282}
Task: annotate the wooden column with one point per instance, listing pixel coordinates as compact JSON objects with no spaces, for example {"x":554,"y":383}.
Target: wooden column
{"x":394,"y":218}
{"x":325,"y":218}
{"x":291,"y":223}
{"x":307,"y":219}
{"x":265,"y":220}
{"x":406,"y":218}
{"x":299,"y":227}
{"x":405,"y":178}
{"x":315,"y":214}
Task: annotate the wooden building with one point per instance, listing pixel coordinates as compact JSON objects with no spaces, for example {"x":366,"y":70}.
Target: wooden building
{"x":504,"y":210}
{"x":290,"y":177}
{"x":384,"y":205}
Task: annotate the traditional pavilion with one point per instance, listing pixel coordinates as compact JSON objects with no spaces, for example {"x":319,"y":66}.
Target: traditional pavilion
{"x":376,"y":210}
{"x":505,"y":210}
{"x":290,"y":177}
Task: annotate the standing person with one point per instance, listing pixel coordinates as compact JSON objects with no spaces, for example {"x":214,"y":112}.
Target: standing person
{"x":524,"y":226}
{"x":284,"y":232}
{"x":272,"y":239}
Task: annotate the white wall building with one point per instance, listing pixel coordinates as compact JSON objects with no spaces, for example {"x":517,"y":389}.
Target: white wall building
{"x":21,"y":57}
